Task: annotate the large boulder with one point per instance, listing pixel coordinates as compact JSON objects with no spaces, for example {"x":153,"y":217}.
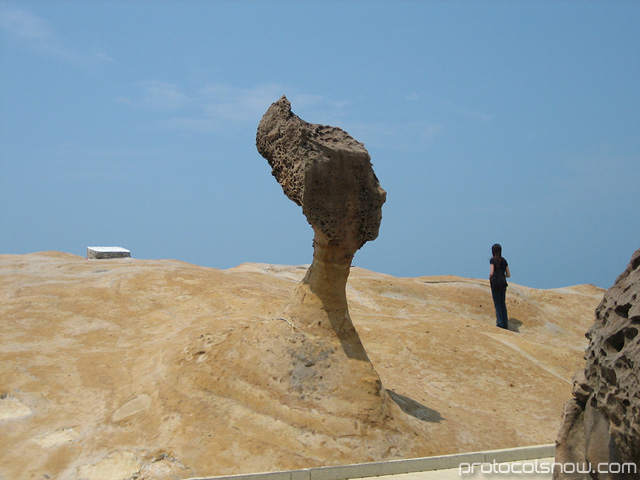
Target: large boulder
{"x":600,"y":431}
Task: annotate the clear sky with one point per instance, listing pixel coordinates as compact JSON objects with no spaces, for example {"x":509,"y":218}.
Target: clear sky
{"x":132,"y":123}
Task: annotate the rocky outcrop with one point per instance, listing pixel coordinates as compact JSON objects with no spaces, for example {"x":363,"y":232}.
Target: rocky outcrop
{"x":303,"y":369}
{"x":329,"y":174}
{"x":601,"y":423}
{"x":161,"y":365}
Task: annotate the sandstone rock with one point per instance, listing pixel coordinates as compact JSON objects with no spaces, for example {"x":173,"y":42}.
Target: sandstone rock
{"x":305,"y":365}
{"x":329,"y":174}
{"x":82,"y":341}
{"x":601,"y":423}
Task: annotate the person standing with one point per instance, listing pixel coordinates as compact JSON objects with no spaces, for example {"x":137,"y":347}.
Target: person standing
{"x":498,"y":274}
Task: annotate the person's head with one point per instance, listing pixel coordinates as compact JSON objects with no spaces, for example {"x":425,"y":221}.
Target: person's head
{"x":496,"y":250}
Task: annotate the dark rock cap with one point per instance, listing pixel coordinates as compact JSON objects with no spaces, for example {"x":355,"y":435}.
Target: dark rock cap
{"x":325,"y":171}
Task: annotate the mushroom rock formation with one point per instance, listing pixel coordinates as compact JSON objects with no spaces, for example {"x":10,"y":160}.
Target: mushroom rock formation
{"x":601,"y":423}
{"x":329,"y":174}
{"x":299,"y":377}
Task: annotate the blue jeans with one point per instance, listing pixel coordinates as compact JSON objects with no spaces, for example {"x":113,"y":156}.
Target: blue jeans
{"x":499,"y":301}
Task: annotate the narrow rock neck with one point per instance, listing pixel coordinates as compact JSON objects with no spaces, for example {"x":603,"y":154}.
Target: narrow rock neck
{"x":327,"y":277}
{"x":325,"y":286}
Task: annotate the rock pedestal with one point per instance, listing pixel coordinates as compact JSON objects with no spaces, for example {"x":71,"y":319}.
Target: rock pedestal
{"x":300,"y":376}
{"x":329,"y":174}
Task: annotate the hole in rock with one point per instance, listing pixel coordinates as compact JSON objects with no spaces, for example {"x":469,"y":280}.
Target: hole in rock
{"x":631,"y":333}
{"x":623,"y":310}
{"x":610,"y":376}
{"x":616,"y":341}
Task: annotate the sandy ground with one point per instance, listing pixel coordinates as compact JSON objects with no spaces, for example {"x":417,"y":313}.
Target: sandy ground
{"x":100,"y":372}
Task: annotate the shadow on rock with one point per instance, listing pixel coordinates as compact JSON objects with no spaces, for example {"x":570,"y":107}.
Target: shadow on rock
{"x":414,"y":408}
{"x":514,"y":325}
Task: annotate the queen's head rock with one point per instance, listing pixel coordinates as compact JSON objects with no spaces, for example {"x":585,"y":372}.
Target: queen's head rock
{"x":329,"y":174}
{"x":303,"y":365}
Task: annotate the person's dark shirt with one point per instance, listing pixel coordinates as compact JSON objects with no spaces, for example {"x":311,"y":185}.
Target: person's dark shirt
{"x":503,"y":263}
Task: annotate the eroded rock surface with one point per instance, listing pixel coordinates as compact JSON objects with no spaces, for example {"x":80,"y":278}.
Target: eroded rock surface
{"x":325,"y":171}
{"x":601,"y":423}
{"x":84,"y":342}
{"x":329,"y":174}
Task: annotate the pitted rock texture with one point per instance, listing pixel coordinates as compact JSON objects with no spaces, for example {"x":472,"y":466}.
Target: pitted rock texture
{"x":601,"y":422}
{"x":330,"y":175}
{"x":326,"y":172}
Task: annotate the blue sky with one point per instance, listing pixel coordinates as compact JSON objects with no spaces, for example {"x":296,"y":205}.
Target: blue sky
{"x":132,"y":123}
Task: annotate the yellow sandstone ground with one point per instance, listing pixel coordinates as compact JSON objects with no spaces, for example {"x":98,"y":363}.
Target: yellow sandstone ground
{"x":109,"y":368}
